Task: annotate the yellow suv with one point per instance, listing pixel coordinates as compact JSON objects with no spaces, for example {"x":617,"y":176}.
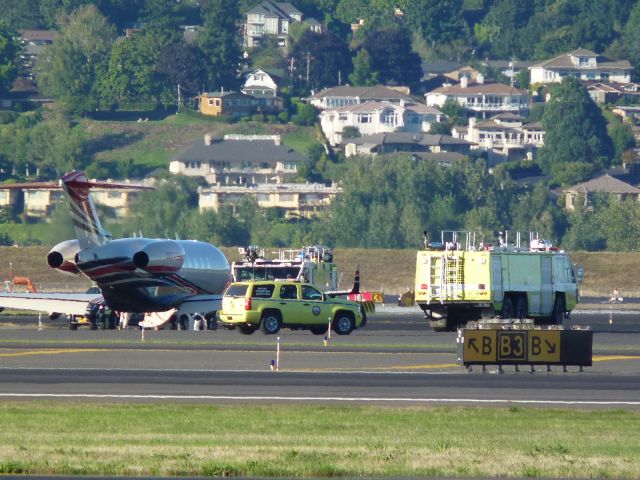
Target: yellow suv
{"x":272,"y":305}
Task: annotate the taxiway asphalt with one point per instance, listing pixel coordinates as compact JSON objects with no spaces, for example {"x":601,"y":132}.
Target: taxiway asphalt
{"x":395,"y":360}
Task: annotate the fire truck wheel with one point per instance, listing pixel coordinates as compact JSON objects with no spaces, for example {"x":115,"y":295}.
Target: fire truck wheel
{"x":521,"y":308}
{"x":557,"y":315}
{"x":507,"y":308}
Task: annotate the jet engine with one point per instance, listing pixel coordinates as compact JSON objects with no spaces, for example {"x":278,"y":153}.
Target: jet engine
{"x":162,"y":256}
{"x":62,"y":256}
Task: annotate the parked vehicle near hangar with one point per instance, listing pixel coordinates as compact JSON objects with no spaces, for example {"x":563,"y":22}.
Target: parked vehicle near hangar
{"x":272,"y":305}
{"x":459,"y":279}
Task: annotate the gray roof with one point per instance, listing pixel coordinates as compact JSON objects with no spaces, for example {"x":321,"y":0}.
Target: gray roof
{"x":275,"y":9}
{"x":238,"y":151}
{"x":564,"y":61}
{"x":604,"y":183}
{"x":405,"y":137}
{"x":376,"y":92}
{"x":474,"y":88}
{"x":438,"y":157}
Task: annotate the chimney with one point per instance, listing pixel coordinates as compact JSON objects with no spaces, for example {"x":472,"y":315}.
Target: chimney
{"x":472,"y":122}
{"x":480,"y":78}
{"x":207,"y":139}
{"x":464,"y":82}
{"x":276,"y":139}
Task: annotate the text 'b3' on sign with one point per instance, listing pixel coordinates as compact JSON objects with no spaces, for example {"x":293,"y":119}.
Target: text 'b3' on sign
{"x":512,"y":346}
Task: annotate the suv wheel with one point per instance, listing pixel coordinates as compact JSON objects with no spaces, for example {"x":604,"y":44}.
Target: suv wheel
{"x":343,"y":324}
{"x":270,"y":323}
{"x":246,"y":329}
{"x":318,"y":329}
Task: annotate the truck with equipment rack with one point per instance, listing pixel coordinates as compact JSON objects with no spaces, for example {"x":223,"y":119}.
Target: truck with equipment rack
{"x":460,"y":279}
{"x":311,"y":264}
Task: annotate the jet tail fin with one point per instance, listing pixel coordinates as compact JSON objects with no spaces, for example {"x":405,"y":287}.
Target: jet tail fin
{"x":355,"y":288}
{"x":85,"y":219}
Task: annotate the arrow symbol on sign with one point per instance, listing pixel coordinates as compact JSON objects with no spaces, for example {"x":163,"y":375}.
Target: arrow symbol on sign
{"x":472,"y":344}
{"x":551,"y":346}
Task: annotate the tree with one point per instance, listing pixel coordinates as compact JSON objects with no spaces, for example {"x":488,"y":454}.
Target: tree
{"x":631,"y":38}
{"x":218,"y":40}
{"x":67,"y":69}
{"x":8,"y":69}
{"x":437,"y":21}
{"x":575,"y":129}
{"x":184,"y":65}
{"x":327,"y":57}
{"x":130,"y":75}
{"x":392,"y":56}
{"x":362,"y":75}
{"x":622,"y":137}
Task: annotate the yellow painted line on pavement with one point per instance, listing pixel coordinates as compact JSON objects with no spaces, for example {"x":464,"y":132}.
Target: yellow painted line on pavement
{"x":381,"y":369}
{"x":52,"y":352}
{"x":608,"y":358}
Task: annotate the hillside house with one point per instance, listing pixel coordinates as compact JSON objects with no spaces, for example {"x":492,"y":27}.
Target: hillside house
{"x":480,"y":98}
{"x":505,"y":137}
{"x":609,"y":92}
{"x":345,"y":95}
{"x":377,"y":117}
{"x":298,"y":200}
{"x":580,"y":195}
{"x":582,"y":64}
{"x":238,"y":160}
{"x":270,"y":19}
{"x":399,"y":142}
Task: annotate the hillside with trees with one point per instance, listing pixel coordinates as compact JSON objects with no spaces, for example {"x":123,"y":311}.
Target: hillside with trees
{"x":102,"y":80}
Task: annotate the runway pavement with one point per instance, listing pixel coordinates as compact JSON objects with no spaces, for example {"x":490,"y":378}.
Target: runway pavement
{"x":396,"y":359}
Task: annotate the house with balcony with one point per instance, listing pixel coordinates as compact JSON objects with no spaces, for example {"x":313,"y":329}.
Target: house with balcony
{"x":584,"y":65}
{"x":481,"y":99}
{"x":345,"y":95}
{"x":270,"y":19}
{"x":504,"y":137}
{"x":238,"y":160}
{"x":402,"y":142}
{"x":298,"y":200}
{"x":377,"y":117}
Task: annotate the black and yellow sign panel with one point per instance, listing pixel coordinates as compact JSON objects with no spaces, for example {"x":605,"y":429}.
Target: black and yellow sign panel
{"x":527,"y":346}
{"x":480,"y":346}
{"x":544,"y":346}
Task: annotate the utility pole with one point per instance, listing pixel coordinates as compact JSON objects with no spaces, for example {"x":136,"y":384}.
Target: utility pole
{"x":291,"y":74}
{"x":308,"y":67}
{"x":339,"y":77}
{"x":179,"y":100}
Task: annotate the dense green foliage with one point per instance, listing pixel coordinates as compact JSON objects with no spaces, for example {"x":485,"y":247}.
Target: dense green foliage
{"x":387,"y":202}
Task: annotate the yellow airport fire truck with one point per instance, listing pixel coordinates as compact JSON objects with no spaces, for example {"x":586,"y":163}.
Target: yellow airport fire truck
{"x":460,"y":278}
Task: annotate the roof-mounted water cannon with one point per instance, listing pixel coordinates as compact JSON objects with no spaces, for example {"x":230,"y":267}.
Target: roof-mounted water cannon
{"x":251,"y":252}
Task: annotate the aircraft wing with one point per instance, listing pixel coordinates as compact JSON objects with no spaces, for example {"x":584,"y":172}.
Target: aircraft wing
{"x":67,"y":303}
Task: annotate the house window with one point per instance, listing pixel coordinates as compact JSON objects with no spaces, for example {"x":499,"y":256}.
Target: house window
{"x":217,"y":102}
{"x":364,"y":118}
{"x":286,"y":197}
{"x":262,"y":197}
{"x":389,"y":117}
{"x":210,"y":102}
{"x":3,"y":196}
{"x":290,"y":167}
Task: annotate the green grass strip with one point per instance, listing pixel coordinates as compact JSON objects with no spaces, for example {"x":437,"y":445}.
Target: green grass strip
{"x":316,"y":441}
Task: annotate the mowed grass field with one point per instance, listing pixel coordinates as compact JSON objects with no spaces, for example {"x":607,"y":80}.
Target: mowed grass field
{"x":385,"y":270}
{"x":316,"y":441}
